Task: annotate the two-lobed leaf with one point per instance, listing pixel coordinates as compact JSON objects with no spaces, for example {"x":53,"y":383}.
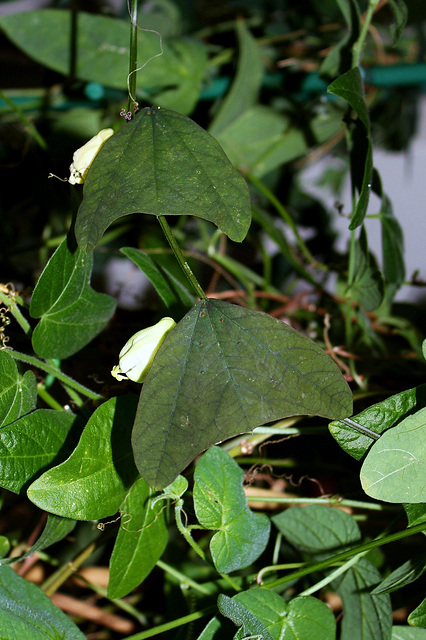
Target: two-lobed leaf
{"x":140,"y":542}
{"x":18,"y":393}
{"x":220,"y":503}
{"x":222,"y":371}
{"x":28,"y":614}
{"x":71,"y":312}
{"x":162,"y":163}
{"x":394,"y":469}
{"x":93,"y":482}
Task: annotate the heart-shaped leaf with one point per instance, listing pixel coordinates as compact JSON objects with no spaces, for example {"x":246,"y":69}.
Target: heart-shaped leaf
{"x":94,"y":480}
{"x":394,"y":469}
{"x":162,"y":163}
{"x":224,"y":370}
{"x":71,"y":312}
{"x":18,"y":394}
{"x":220,"y":503}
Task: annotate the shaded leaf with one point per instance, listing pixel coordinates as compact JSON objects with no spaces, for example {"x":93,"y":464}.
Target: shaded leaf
{"x":224,"y":370}
{"x":162,"y":163}
{"x":340,"y":57}
{"x":242,"y":617}
{"x":367,"y":287}
{"x":55,"y":530}
{"x":416,"y":514}
{"x":26,"y":612}
{"x":364,"y":616}
{"x":140,"y":542}
{"x":403,"y":575}
{"x":153,"y":273}
{"x":71,"y":312}
{"x":247,"y":82}
{"x":220,"y":503}
{"x":378,"y":417}
{"x":93,"y":482}
{"x":32,"y":444}
{"x":300,"y":618}
{"x":394,"y":469}
{"x":417,"y":618}
{"x":400,"y":13}
{"x":18,"y":394}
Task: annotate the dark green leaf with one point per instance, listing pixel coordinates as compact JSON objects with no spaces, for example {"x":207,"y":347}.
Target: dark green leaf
{"x":418,"y":617}
{"x":241,"y":616}
{"x":102,"y":53}
{"x":162,"y":163}
{"x":318,"y":530}
{"x":392,"y":245}
{"x":350,"y":87}
{"x":416,"y":514}
{"x":71,"y":312}
{"x":340,"y":57}
{"x":246,"y":84}
{"x":364,"y":616}
{"x":394,"y":469}
{"x":400,"y":13}
{"x":140,"y":542}
{"x":153,"y":273}
{"x":378,"y":417}
{"x":27,"y":613}
{"x":224,"y":370}
{"x":403,"y":575}
{"x":55,"y":530}
{"x":93,"y":482}
{"x":301,"y":618}
{"x":367,"y":287}
{"x":220,"y":503}
{"x":18,"y":394}
{"x":33,"y":443}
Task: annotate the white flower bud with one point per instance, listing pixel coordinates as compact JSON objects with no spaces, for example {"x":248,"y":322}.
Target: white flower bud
{"x":138,"y":353}
{"x":83,"y":157}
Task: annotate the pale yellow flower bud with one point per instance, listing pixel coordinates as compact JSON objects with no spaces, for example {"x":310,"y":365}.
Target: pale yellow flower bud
{"x":138,"y":353}
{"x":83,"y":157}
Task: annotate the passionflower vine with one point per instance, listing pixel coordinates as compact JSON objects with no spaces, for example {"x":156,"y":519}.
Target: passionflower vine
{"x":83,"y":157}
{"x":138,"y":353}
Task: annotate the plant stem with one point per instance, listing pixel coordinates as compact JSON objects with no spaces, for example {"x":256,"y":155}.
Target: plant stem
{"x":183,"y":579}
{"x":11,"y":301}
{"x":133,"y":10}
{"x":358,"y":46}
{"x":365,"y":431}
{"x":53,"y":583}
{"x":179,"y":257}
{"x":48,"y":399}
{"x":324,"y":564}
{"x":168,"y":626}
{"x":48,"y":368}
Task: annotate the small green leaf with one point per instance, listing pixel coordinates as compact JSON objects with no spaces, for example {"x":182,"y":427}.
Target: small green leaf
{"x":241,"y":616}
{"x":26,"y":612}
{"x":403,"y":575}
{"x":211,"y":630}
{"x":318,"y":530}
{"x":222,"y":371}
{"x":367,"y":287}
{"x":340,"y":57}
{"x":55,"y":530}
{"x":4,"y":546}
{"x":93,"y":482}
{"x":416,"y":514}
{"x":378,"y":417}
{"x":418,"y":617}
{"x":162,"y":163}
{"x":300,"y":618}
{"x":247,"y":82}
{"x":140,"y":542}
{"x":400,"y":13}
{"x":394,"y":469}
{"x":407,"y":633}
{"x":18,"y":394}
{"x":71,"y":312}
{"x":153,"y":273}
{"x":32,"y":444}
{"x":220,"y":503}
{"x":364,"y":616}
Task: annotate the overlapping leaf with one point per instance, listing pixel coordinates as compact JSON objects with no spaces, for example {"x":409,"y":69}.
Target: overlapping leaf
{"x":220,"y":503}
{"x":71,"y":312}
{"x":162,"y":163}
{"x":18,"y":393}
{"x":224,"y":370}
{"x":93,"y":482}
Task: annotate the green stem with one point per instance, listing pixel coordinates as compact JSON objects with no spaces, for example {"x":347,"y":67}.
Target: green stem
{"x":48,"y":368}
{"x":334,"y":501}
{"x":324,"y":564}
{"x":133,"y":9}
{"x":25,"y":121}
{"x":168,"y":626}
{"x":359,"y":44}
{"x":48,"y":399}
{"x":183,"y":579}
{"x":179,"y":257}
{"x":365,"y":431}
{"x":11,"y":301}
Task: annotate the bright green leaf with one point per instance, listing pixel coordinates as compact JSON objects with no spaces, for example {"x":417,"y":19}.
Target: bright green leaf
{"x":364,"y":616}
{"x":18,"y":394}
{"x":403,"y":575}
{"x":211,"y":630}
{"x":242,"y":616}
{"x":301,"y":618}
{"x":162,"y":163}
{"x":27,"y":613}
{"x":32,"y":444}
{"x":71,"y":312}
{"x":4,"y":546}
{"x":93,"y":482}
{"x":407,"y":633}
{"x":140,"y":542}
{"x":247,"y":82}
{"x":417,"y":618}
{"x":394,"y":469}
{"x":378,"y":417}
{"x":225,"y":370}
{"x":220,"y":503}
